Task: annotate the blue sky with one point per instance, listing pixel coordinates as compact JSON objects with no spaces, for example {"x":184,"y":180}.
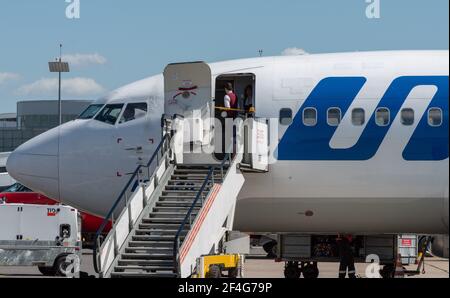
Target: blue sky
{"x":117,"y":42}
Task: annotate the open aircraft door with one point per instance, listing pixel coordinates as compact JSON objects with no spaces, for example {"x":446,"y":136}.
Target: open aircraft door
{"x":257,"y":155}
{"x":188,"y":93}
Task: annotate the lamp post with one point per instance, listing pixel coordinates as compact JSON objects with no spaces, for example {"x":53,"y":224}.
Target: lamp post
{"x":59,"y":66}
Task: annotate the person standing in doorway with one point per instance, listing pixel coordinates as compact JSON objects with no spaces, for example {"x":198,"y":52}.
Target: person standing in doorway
{"x":230,"y":100}
{"x":347,"y":260}
{"x":231,"y":104}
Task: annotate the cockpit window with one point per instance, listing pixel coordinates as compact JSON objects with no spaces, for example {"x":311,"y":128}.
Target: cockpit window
{"x":134,"y":111}
{"x":90,"y":112}
{"x":110,"y":113}
{"x":16,"y":188}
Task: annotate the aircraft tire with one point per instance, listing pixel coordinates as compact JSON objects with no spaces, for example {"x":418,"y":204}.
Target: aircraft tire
{"x":292,"y":271}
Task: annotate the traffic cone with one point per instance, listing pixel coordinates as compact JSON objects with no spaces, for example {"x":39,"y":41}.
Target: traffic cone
{"x":399,"y":270}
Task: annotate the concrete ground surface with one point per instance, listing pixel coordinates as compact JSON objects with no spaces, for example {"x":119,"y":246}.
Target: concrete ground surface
{"x":256,"y":267}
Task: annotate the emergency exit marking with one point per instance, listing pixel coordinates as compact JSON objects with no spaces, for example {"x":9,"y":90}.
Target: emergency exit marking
{"x":406,"y":242}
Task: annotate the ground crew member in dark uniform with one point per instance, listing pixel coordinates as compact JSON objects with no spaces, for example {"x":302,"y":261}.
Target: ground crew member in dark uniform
{"x":346,"y":257}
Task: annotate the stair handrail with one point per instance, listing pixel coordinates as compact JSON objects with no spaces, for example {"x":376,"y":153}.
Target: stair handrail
{"x":161,"y":147}
{"x":187,"y":218}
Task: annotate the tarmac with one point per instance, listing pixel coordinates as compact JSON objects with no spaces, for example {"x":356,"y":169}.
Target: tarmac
{"x":255,"y":267}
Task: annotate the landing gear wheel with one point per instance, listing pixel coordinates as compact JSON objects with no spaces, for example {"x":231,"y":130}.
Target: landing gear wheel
{"x":271,"y":249}
{"x":47,"y":271}
{"x":387,"y":271}
{"x":292,"y":271}
{"x":310,"y":270}
{"x":214,"y":272}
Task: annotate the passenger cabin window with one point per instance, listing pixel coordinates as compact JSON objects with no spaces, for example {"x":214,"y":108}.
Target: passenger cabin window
{"x":110,"y":113}
{"x":90,"y":112}
{"x":334,"y":116}
{"x":382,"y":117}
{"x":407,"y":117}
{"x":435,"y":117}
{"x":358,"y":117}
{"x":310,"y":117}
{"x":3,"y":170}
{"x":285,"y":116}
{"x":134,"y":111}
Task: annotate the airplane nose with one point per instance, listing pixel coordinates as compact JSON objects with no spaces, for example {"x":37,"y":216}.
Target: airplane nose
{"x":35,"y":164}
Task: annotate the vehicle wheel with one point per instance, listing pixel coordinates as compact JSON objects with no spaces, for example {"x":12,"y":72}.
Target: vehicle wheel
{"x":387,"y":271}
{"x":61,"y":266}
{"x":47,"y":271}
{"x":233,"y":273}
{"x":310,"y":271}
{"x":214,"y":272}
{"x":292,"y":271}
{"x":271,"y":249}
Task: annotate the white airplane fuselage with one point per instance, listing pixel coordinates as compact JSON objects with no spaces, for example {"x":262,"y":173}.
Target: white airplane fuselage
{"x":363,"y":178}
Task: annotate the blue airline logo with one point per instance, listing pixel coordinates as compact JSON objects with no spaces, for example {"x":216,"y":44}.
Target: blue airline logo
{"x":428,"y":143}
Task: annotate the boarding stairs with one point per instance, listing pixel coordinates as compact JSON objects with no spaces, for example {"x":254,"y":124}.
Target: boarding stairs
{"x":175,"y":215}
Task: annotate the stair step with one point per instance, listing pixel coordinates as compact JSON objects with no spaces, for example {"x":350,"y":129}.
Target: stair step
{"x":162,"y":238}
{"x":151,"y":243}
{"x":176,"y":209}
{"x":142,"y":275}
{"x":178,"y":215}
{"x":184,"y":192}
{"x":187,"y":187}
{"x":178,"y":204}
{"x":189,"y":170}
{"x":173,"y":220}
{"x":193,"y":181}
{"x":168,"y":237}
{"x":150,"y":250}
{"x":193,"y":176}
{"x":161,"y":226}
{"x":120,"y":269}
{"x":177,"y":198}
{"x":158,"y":228}
{"x":193,"y":166}
{"x":138,"y":262}
{"x":147,"y":256}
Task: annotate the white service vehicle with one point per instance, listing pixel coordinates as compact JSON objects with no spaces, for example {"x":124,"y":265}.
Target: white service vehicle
{"x":48,"y":237}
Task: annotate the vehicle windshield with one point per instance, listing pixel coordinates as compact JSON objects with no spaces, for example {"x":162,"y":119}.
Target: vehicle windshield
{"x":17,"y":188}
{"x":90,"y":112}
{"x":110,"y":113}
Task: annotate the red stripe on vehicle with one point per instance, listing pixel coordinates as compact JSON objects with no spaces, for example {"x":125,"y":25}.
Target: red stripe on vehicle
{"x":185,"y":249}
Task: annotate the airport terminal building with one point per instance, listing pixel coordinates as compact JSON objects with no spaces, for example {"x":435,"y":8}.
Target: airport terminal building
{"x":34,"y":118}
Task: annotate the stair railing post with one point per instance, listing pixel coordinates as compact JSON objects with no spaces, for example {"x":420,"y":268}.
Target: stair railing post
{"x":116,"y":249}
{"x":98,"y":256}
{"x":144,"y":195}
{"x":157,"y":157}
{"x":130,"y":220}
